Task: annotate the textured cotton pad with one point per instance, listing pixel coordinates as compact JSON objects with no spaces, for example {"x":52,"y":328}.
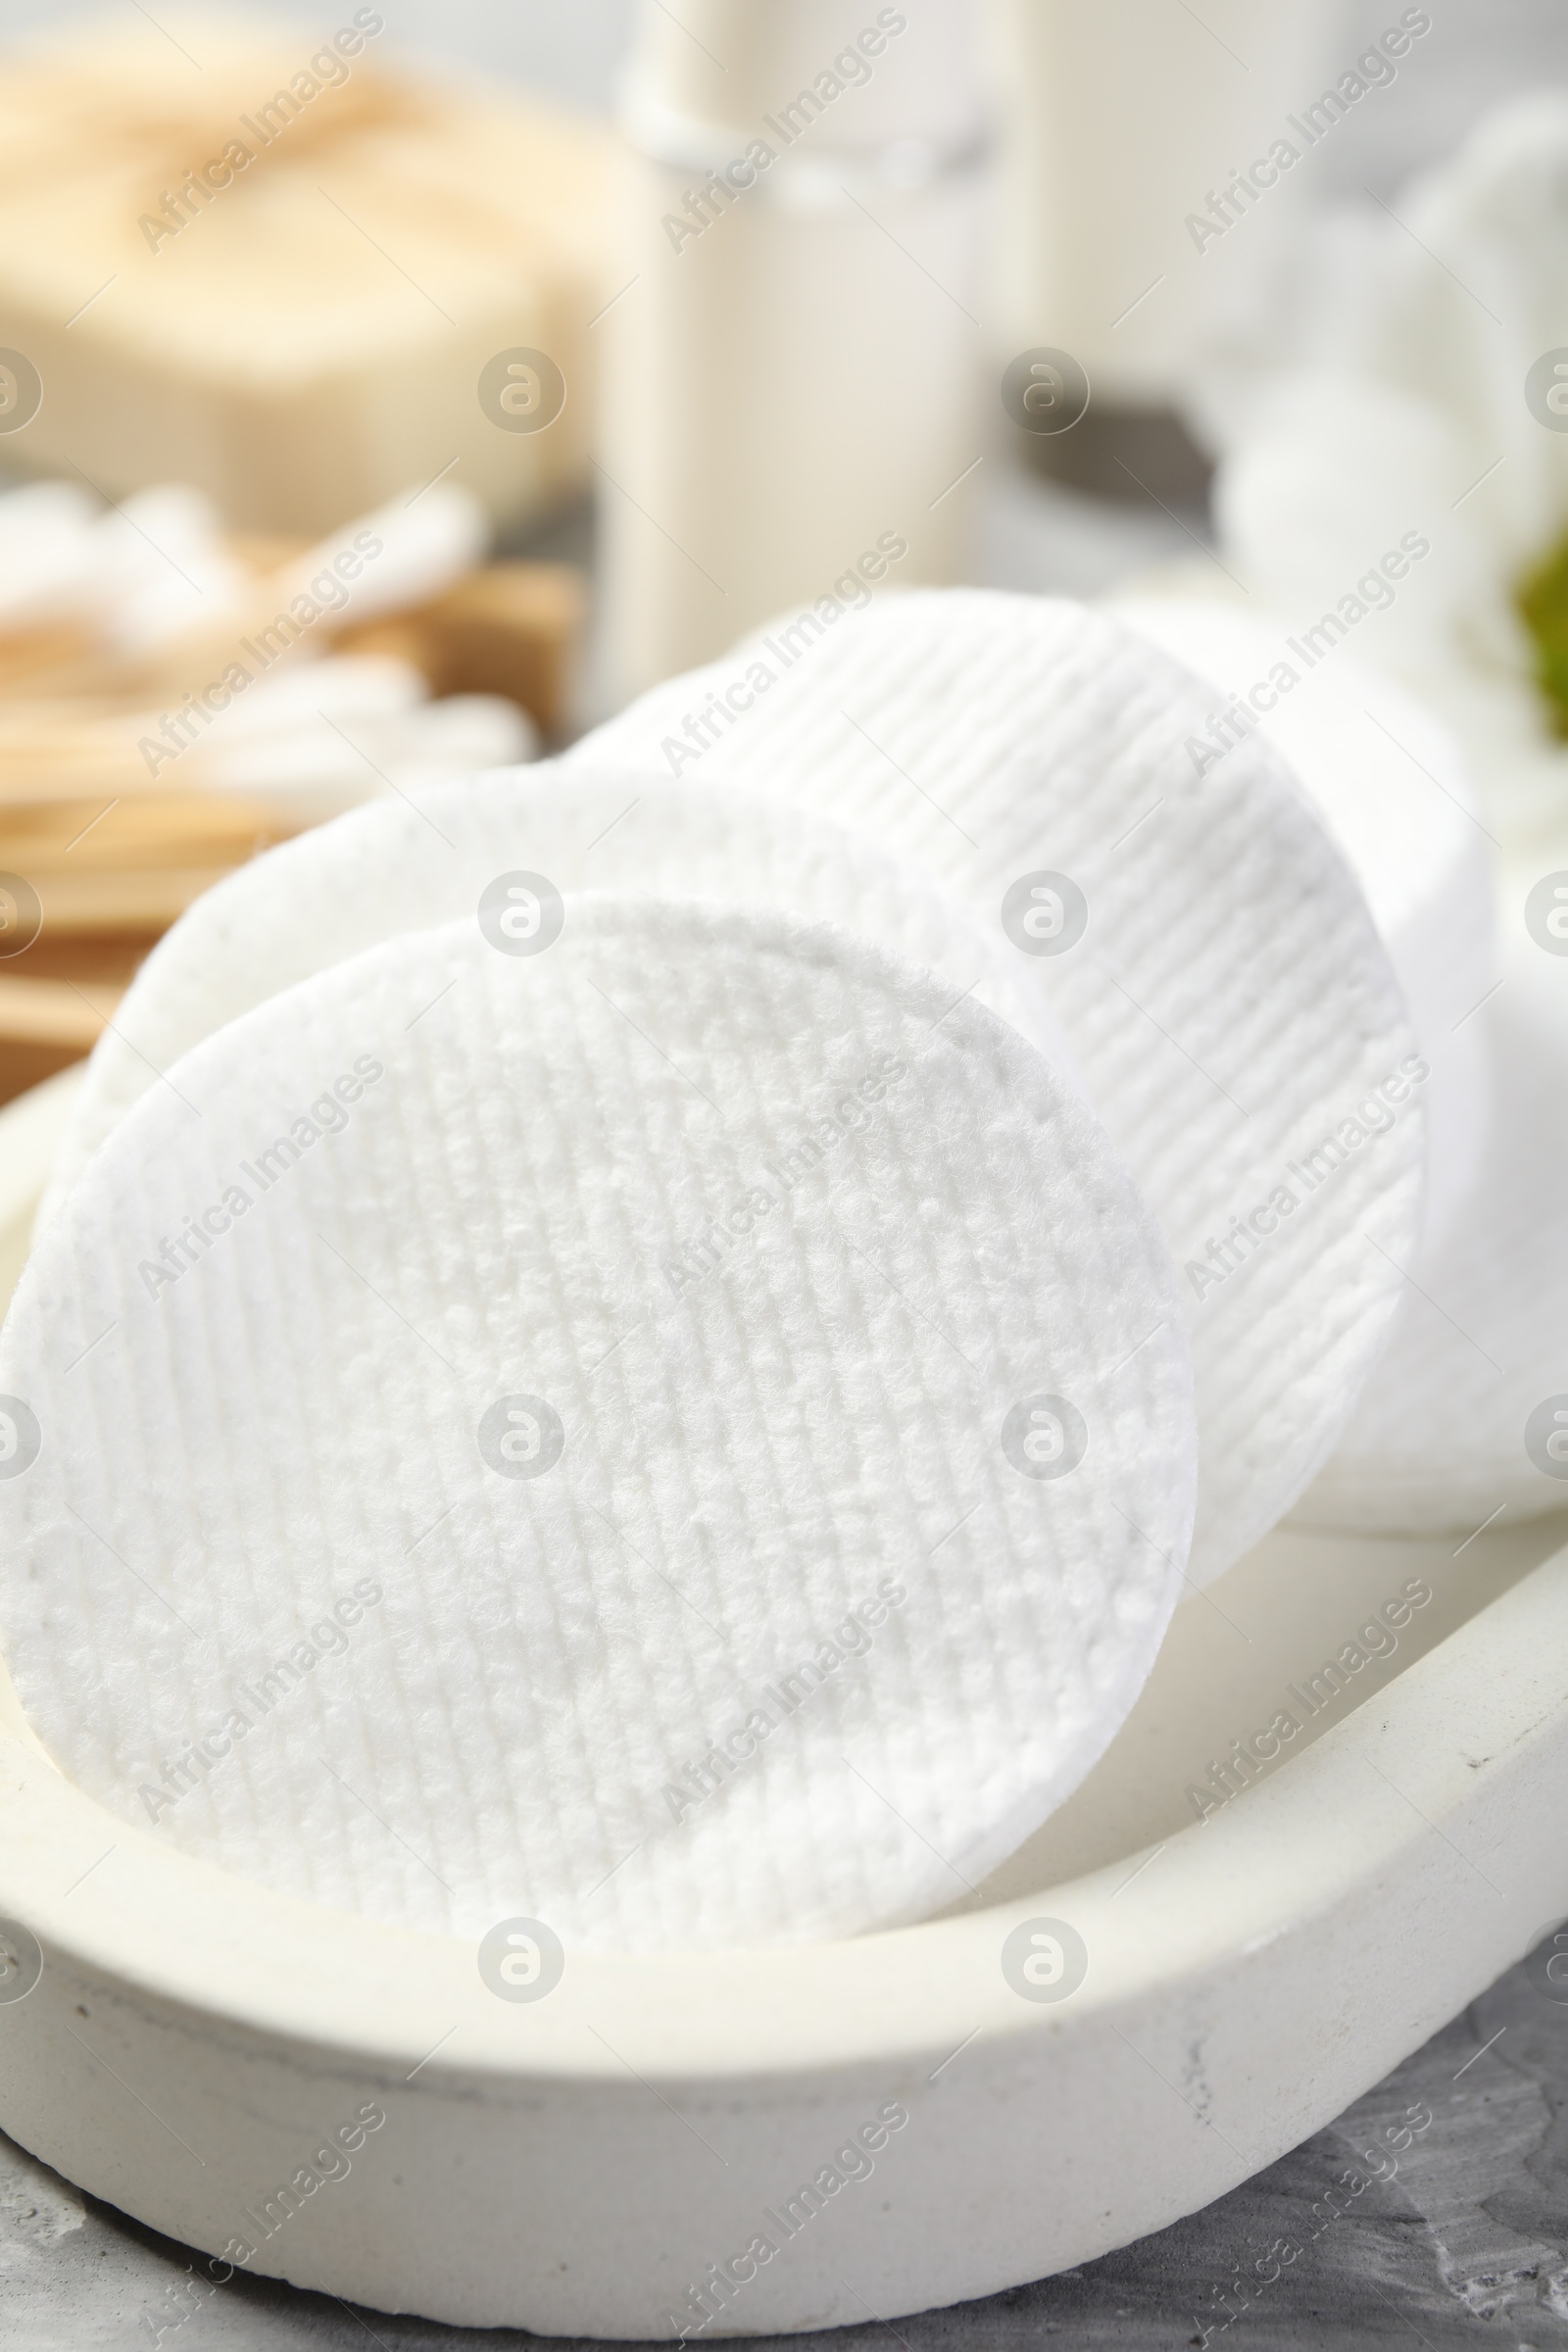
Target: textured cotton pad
{"x":1466,"y":1414}
{"x":419,"y":861}
{"x":1389,"y":783}
{"x":1202,"y":940}
{"x":700,"y":1452}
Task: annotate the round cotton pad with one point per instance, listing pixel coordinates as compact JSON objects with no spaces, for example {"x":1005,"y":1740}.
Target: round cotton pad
{"x":1389,"y":783}
{"x":1207,"y":950}
{"x":421,"y":859}
{"x":1466,"y":1414}
{"x":663,"y":1426}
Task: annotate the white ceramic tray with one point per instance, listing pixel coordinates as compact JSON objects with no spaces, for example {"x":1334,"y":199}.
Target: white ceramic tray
{"x":582,"y":2163}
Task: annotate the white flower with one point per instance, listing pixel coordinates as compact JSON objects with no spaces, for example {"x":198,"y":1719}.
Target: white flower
{"x":1422,"y":415}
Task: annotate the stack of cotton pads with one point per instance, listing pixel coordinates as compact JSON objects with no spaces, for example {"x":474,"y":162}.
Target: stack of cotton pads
{"x":643,"y":1349}
{"x":1388,"y":782}
{"x":1193,"y":926}
{"x":1466,"y":1417}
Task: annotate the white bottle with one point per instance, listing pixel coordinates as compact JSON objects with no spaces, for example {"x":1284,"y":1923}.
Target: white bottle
{"x":1150,"y":156}
{"x":795,"y":374}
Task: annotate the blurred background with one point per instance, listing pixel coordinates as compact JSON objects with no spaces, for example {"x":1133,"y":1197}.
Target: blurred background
{"x":395,"y":391}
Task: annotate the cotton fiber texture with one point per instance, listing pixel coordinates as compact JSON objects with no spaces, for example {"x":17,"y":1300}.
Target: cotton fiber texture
{"x":425,"y":858}
{"x":1391,"y":786}
{"x":1202,"y":938}
{"x":658,"y":1422}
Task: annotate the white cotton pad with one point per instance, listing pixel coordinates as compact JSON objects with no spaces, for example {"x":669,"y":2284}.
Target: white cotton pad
{"x":410,"y":863}
{"x":1205,"y":944}
{"x":1460,"y":1419}
{"x":708,"y":1422}
{"x":1388,"y":782}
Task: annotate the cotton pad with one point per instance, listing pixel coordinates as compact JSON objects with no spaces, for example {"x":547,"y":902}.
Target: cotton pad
{"x":1205,"y":944}
{"x":1391,"y":786}
{"x":416,"y":860}
{"x":1466,"y":1413}
{"x":659,"y":1424}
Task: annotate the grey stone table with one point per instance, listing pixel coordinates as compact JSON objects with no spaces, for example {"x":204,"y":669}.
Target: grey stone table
{"x":1454,"y":2235}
